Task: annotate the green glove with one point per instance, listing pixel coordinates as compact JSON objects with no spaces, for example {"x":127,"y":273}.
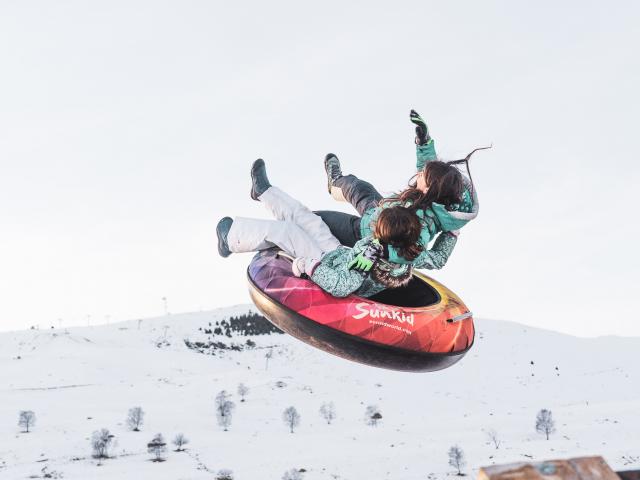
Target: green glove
{"x":422,"y":132}
{"x":365,"y":260}
{"x":361,"y":263}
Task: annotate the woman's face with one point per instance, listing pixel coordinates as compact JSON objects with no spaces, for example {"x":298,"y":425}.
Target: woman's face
{"x":421,"y":184}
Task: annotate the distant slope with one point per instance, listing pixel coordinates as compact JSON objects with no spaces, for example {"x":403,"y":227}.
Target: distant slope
{"x":78,"y":380}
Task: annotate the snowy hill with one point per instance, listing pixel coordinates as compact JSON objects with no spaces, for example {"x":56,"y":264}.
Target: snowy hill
{"x":79,"y":380}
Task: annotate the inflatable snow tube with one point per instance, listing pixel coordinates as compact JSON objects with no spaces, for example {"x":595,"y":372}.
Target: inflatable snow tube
{"x":422,"y":327}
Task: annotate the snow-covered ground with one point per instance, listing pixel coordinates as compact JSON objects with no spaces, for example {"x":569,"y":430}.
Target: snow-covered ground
{"x":79,"y":380}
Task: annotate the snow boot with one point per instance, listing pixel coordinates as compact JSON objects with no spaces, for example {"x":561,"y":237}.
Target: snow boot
{"x":332,"y":167}
{"x":334,"y":172}
{"x":222,"y":230}
{"x":259,"y":181}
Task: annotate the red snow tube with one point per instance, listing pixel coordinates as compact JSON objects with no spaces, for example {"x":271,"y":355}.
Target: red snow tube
{"x":422,"y":327}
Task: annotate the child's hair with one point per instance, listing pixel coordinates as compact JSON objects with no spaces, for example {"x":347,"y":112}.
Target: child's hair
{"x":445,"y":184}
{"x":399,"y":227}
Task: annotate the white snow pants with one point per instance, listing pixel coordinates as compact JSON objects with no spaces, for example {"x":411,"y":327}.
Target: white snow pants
{"x":296,"y":229}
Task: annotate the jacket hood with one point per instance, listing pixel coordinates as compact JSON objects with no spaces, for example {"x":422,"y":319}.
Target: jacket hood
{"x":458,"y":217}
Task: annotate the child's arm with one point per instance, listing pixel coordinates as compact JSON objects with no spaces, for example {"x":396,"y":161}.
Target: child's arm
{"x":425,"y":147}
{"x":436,"y":257}
{"x":337,"y":281}
{"x":332,"y":273}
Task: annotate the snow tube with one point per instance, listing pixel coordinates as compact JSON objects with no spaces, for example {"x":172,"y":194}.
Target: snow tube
{"x":422,"y":327}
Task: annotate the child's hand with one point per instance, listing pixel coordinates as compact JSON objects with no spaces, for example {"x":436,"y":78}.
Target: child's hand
{"x":422,"y":132}
{"x":367,"y":258}
{"x":304,"y":267}
{"x":360,"y":263}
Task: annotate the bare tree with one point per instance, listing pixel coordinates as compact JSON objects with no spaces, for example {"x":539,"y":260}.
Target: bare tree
{"x":224,"y":474}
{"x":292,"y":474}
{"x":545,"y":423}
{"x":243,"y":390}
{"x":267,"y":356}
{"x":291,"y":417}
{"x":135,"y":418}
{"x":492,"y":435}
{"x":101,"y":441}
{"x":328,"y":412}
{"x":224,"y":409}
{"x":180,"y":441}
{"x":222,"y":397}
{"x":26,"y":420}
{"x":372,"y":415}
{"x":456,"y":459}
{"x":157,"y":446}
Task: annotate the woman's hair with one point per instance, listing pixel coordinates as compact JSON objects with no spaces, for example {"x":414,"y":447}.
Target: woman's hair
{"x":445,"y":187}
{"x":399,"y":227}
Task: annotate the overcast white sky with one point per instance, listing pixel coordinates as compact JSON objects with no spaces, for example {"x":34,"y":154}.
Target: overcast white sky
{"x":127,"y":129}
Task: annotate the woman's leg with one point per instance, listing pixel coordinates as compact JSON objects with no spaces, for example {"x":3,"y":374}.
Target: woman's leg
{"x":362,"y":195}
{"x":286,"y":208}
{"x":348,"y":188}
{"x":343,"y":226}
{"x":252,"y":234}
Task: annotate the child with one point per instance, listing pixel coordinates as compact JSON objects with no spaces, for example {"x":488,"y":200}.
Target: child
{"x":442,"y":198}
{"x":318,"y":254}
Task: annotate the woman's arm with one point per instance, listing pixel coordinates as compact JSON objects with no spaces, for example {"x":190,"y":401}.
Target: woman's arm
{"x":425,"y":153}
{"x":436,"y":257}
{"x":425,"y":148}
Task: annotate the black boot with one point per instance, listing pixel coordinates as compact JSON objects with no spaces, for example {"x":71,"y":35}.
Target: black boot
{"x":222,"y":230}
{"x":332,"y":167}
{"x":259,"y":181}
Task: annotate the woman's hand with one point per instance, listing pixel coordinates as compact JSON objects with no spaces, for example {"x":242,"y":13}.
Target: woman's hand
{"x":422,"y":132}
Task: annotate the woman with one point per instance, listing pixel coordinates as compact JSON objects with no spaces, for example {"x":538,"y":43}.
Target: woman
{"x":440,"y":196}
{"x":318,"y":254}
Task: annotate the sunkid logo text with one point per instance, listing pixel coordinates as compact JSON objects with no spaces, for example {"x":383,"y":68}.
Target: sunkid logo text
{"x":380,"y":312}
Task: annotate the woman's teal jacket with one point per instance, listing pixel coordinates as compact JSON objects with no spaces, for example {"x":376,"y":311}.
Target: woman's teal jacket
{"x":435,"y":220}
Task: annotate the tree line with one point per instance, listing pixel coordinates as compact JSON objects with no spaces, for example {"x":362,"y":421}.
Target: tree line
{"x":102,"y":440}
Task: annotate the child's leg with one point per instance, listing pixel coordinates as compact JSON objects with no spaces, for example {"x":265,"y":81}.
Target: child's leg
{"x":251,"y":235}
{"x":362,"y":195}
{"x":286,"y":208}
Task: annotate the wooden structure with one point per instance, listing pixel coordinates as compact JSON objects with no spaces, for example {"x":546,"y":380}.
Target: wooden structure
{"x":629,"y":475}
{"x":584,"y":468}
